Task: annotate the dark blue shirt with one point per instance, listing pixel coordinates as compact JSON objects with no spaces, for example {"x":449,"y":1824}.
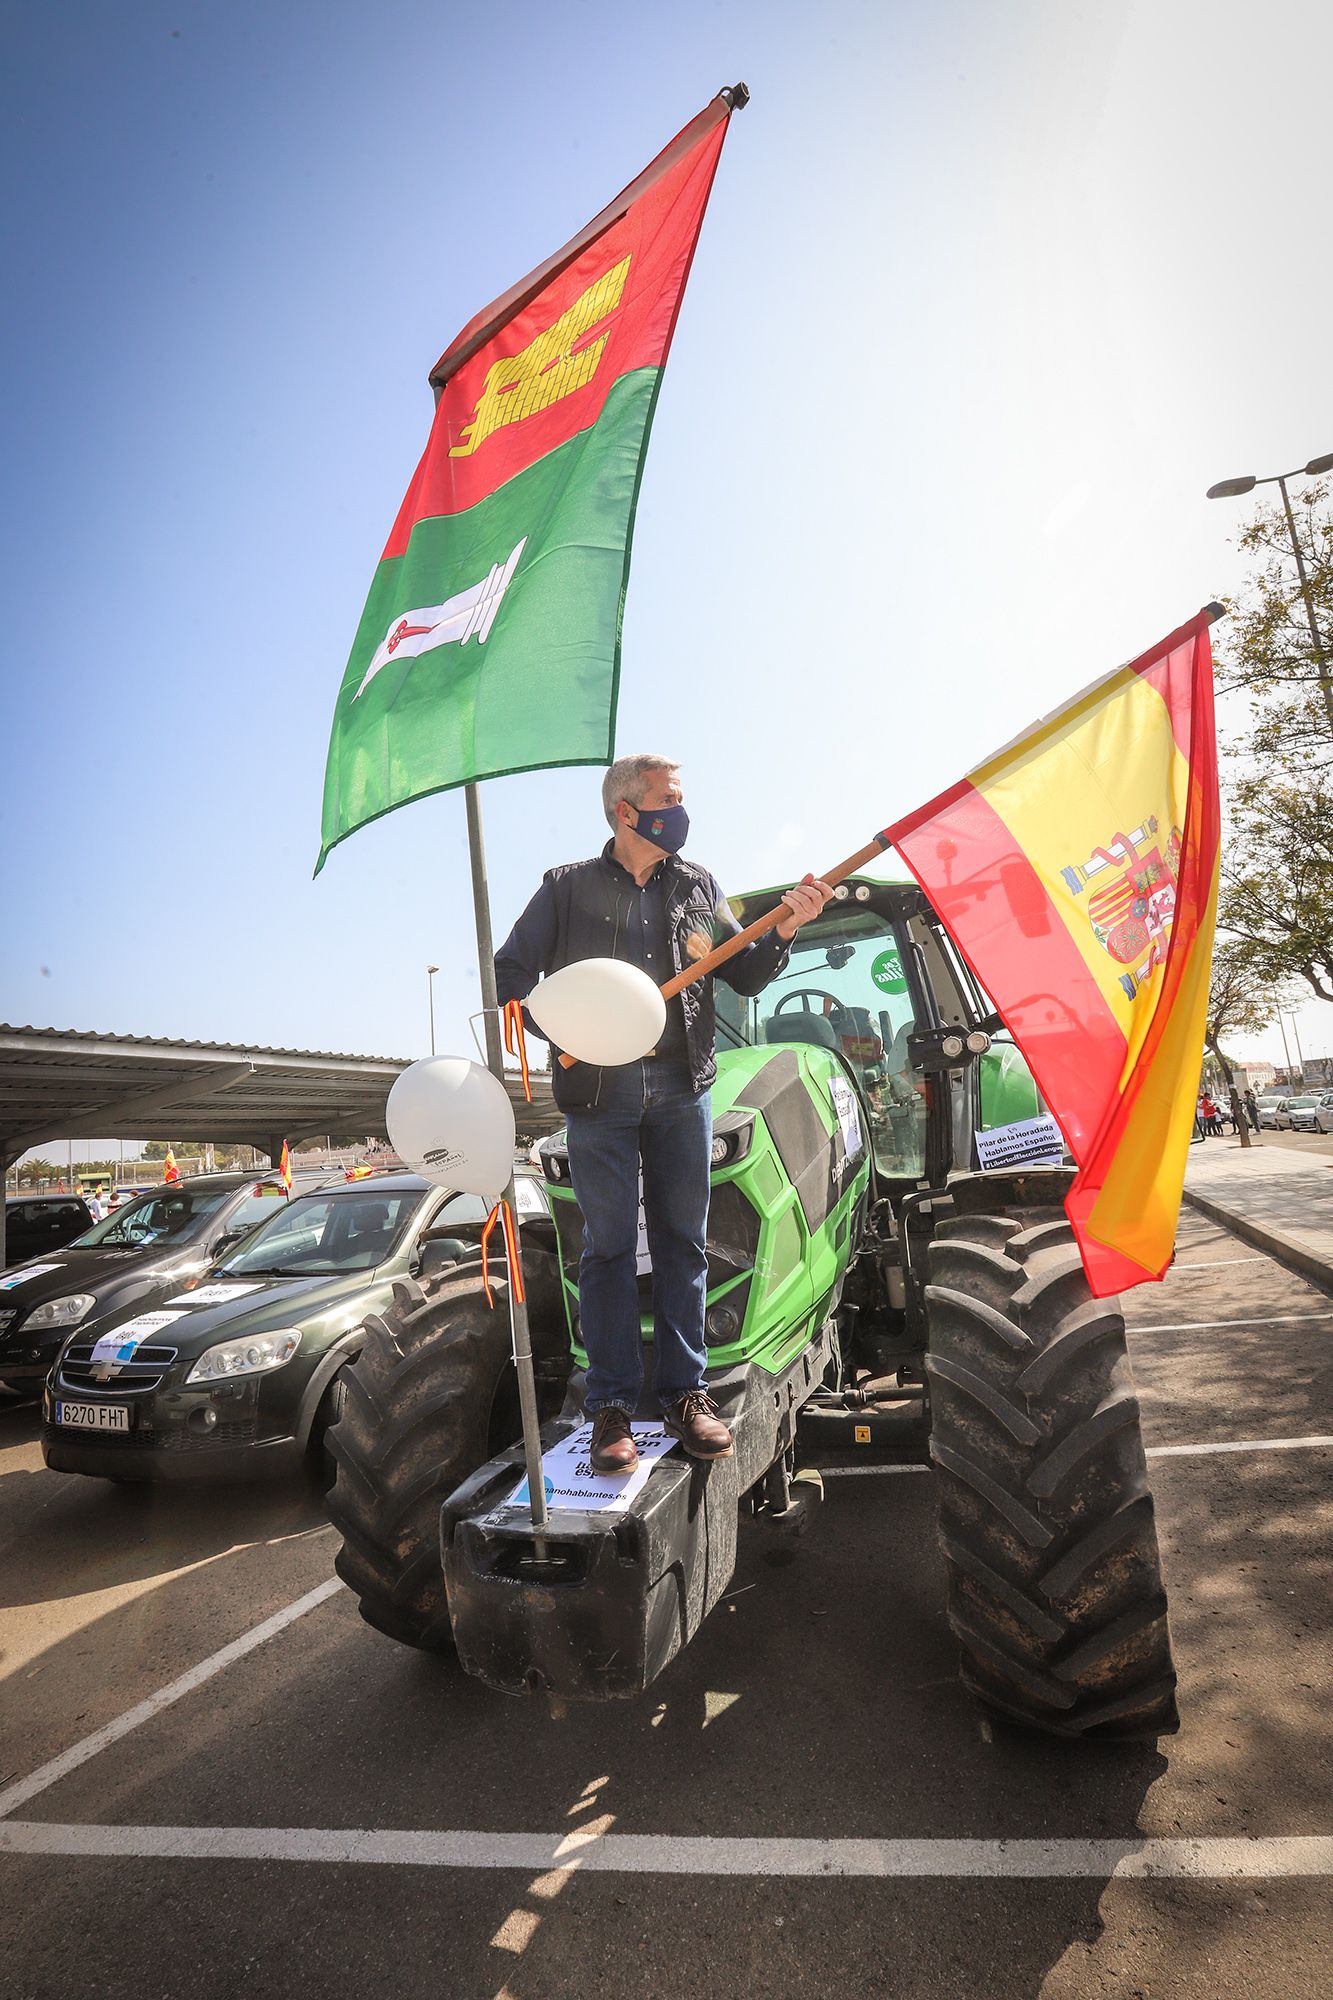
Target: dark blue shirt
{"x":614,"y":918}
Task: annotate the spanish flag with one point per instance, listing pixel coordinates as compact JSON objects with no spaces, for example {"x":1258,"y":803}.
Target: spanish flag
{"x":285,"y":1168}
{"x":170,"y":1171}
{"x":1076,"y":871}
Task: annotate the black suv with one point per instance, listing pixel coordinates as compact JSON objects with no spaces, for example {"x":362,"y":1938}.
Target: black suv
{"x":168,"y":1235}
{"x":35,"y":1223}
{"x":239,"y":1375}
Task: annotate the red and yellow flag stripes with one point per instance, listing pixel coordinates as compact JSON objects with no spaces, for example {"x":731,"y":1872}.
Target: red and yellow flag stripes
{"x":1076,"y":871}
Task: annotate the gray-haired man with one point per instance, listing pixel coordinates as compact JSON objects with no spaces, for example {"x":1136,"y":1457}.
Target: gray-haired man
{"x":639,"y":901}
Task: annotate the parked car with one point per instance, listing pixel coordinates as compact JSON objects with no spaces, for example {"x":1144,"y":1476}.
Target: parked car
{"x":237,"y":1374}
{"x":36,"y":1224}
{"x":1323,"y":1113}
{"x":1296,"y":1114}
{"x":166,"y":1236}
{"x":1269,"y":1107}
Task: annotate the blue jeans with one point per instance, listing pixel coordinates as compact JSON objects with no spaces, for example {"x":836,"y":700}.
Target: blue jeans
{"x":646,"y":1110}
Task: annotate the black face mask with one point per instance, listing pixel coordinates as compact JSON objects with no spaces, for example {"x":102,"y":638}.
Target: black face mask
{"x":667,"y":827}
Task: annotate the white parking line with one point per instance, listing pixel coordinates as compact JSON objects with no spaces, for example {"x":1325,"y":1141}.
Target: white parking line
{"x":1248,"y":1444}
{"x":1219,"y":1264}
{"x":88,"y":1746}
{"x":1207,"y":1325}
{"x":1153,"y":1451}
{"x":1214,"y":1859}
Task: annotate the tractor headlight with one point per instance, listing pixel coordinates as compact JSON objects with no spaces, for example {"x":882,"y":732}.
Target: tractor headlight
{"x":733,"y":1133}
{"x":951,"y":1046}
{"x":721,"y":1324}
{"x":977,"y":1043}
{"x":64,"y":1313}
{"x":256,"y":1356}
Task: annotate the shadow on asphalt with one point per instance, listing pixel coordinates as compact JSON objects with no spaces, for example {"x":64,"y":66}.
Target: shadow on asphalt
{"x":1255,"y":1382}
{"x":62,"y":1535}
{"x":819,"y":1700}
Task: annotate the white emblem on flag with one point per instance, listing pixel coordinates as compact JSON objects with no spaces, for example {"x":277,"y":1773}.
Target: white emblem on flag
{"x":460,"y":618}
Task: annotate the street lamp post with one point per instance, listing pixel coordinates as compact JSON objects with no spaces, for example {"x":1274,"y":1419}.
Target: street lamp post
{"x":431,"y":971}
{"x":1300,"y":1054}
{"x":1231,"y":489}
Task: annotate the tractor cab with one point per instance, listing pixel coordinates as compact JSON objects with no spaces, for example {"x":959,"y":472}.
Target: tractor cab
{"x":876,"y":979}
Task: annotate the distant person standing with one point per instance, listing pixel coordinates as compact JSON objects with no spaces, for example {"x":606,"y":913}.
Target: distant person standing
{"x":1252,"y":1106}
{"x":1212,"y":1124}
{"x":94,"y":1201}
{"x":1235,"y":1111}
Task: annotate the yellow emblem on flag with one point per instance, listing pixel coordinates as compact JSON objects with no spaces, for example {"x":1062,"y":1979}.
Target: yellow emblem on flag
{"x":548,"y":368}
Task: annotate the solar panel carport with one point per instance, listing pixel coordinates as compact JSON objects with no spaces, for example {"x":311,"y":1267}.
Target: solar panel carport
{"x":56,"y":1082}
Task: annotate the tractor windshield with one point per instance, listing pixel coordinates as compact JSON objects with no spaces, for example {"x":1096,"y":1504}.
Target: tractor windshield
{"x":845,"y":989}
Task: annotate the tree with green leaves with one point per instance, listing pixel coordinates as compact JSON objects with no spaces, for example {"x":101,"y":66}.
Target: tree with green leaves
{"x":1267,"y":649}
{"x":1276,"y":897}
{"x":1241,"y":1001}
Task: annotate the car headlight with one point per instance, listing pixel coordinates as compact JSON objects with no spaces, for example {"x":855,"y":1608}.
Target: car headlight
{"x":64,"y":1313}
{"x":256,"y":1356}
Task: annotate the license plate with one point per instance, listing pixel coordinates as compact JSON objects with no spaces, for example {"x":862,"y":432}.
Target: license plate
{"x":93,"y":1416}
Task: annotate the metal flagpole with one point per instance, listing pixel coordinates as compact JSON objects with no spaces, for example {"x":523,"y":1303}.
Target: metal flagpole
{"x":518,"y":1311}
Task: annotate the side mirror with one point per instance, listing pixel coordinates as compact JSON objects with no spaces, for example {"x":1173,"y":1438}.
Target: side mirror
{"x":437,"y":1253}
{"x":228,"y":1241}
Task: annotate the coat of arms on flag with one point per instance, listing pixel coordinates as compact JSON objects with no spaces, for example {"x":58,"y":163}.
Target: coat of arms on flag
{"x":1131,"y":884}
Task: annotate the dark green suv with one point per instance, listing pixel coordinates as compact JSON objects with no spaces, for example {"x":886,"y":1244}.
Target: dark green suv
{"x":235,"y":1374}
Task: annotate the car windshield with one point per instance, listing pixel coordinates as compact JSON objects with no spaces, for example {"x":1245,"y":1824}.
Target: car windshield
{"x":172,"y":1215}
{"x":845,"y":989}
{"x":1301,"y":1103}
{"x":320,"y":1235}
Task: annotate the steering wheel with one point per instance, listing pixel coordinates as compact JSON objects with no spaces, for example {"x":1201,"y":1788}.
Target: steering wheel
{"x":834,"y":1005}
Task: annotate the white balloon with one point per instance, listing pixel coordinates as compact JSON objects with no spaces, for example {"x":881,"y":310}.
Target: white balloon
{"x":451,"y":1121}
{"x":600,"y":1010}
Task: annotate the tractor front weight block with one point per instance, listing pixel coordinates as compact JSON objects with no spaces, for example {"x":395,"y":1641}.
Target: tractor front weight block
{"x":604,"y":1601}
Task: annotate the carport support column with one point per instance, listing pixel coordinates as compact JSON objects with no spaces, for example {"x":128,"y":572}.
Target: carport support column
{"x":7,"y":1159}
{"x":518,"y":1311}
{"x":274,"y":1152}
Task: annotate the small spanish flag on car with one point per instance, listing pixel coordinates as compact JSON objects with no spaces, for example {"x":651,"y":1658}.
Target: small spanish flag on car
{"x":1077,"y":873}
{"x":170,"y":1171}
{"x":359,"y":1172}
{"x":285,"y":1168}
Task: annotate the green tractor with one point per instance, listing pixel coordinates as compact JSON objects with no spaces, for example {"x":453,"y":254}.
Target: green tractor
{"x":867,"y":1284}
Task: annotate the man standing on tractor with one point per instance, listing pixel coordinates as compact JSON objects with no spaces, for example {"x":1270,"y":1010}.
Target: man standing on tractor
{"x":639,"y":901}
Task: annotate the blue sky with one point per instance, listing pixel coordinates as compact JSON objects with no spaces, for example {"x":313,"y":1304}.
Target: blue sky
{"x":986,"y":298}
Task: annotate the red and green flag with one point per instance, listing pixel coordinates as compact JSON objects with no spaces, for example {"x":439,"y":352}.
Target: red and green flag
{"x":490,"y":642}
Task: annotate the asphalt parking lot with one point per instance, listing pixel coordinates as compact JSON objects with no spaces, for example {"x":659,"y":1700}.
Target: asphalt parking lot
{"x":806,"y":1802}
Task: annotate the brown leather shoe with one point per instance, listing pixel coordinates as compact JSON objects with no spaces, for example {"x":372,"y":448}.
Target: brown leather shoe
{"x":695,"y":1421}
{"x":612,"y":1448}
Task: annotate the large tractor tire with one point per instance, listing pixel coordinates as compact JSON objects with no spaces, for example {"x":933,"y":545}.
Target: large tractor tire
{"x":430,"y":1398}
{"x":1055,"y":1587}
